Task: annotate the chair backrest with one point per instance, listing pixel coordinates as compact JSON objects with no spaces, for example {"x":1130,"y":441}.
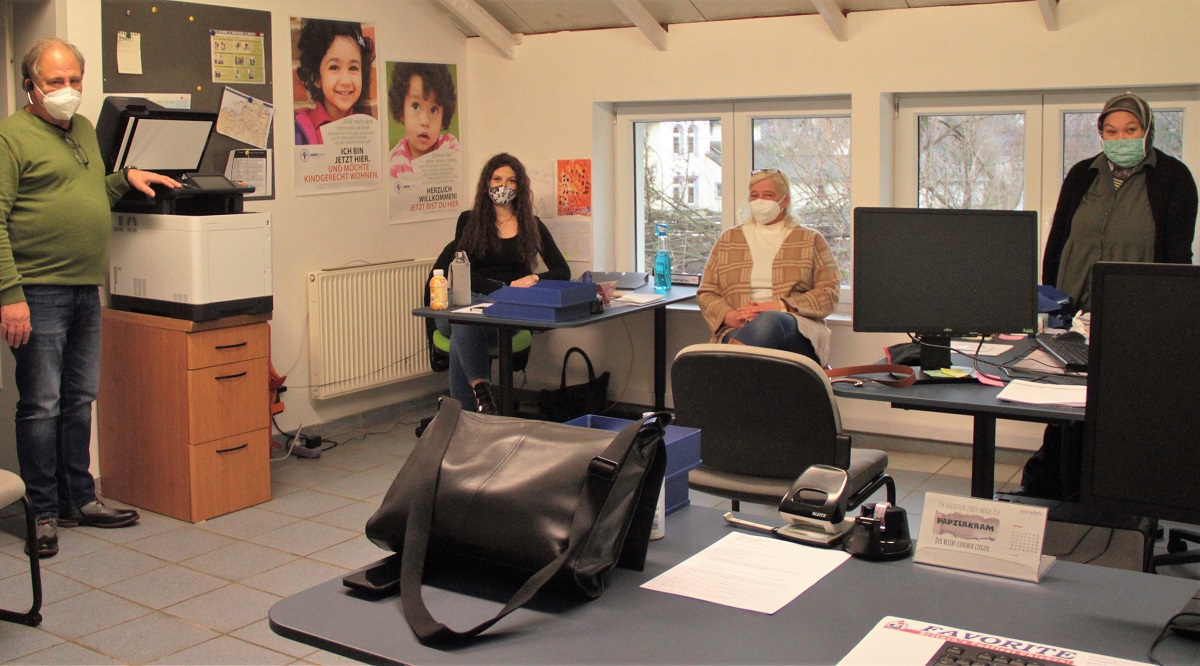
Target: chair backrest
{"x":760,"y":411}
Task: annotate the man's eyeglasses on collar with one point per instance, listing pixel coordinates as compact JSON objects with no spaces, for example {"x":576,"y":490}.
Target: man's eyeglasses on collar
{"x":80,"y":154}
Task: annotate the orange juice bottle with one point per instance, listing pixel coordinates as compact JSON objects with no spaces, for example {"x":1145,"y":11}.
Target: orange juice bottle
{"x":439,"y":291}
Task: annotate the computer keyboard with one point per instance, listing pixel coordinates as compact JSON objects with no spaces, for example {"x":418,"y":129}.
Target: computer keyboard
{"x":957,"y":654}
{"x":1072,"y":351}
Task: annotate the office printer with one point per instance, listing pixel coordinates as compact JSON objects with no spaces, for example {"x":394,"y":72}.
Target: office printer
{"x":189,"y":253}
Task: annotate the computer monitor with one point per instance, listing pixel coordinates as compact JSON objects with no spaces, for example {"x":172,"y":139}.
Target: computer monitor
{"x":938,"y":273}
{"x":133,"y":131}
{"x":1140,"y":453}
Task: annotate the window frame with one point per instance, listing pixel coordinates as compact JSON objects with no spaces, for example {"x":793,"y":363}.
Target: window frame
{"x":736,"y":118}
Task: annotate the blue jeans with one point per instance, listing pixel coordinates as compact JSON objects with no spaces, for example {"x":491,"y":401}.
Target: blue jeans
{"x":58,"y":374}
{"x":776,"y":330}
{"x":469,"y":359}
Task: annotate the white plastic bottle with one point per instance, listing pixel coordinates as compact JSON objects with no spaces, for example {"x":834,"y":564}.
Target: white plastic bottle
{"x":460,"y":279}
{"x":439,"y":291}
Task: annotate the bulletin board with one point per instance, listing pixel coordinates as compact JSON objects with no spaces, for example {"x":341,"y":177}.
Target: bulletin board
{"x":178,"y":56}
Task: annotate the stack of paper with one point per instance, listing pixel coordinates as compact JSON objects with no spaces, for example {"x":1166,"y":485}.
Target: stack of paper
{"x":1034,"y":393}
{"x":638,"y":299}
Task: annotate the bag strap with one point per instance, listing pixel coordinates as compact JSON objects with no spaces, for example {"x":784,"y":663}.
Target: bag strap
{"x":847,"y":374}
{"x":567,"y":357}
{"x":602,"y":474}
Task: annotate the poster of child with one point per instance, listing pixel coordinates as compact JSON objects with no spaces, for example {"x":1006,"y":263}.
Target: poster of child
{"x":329,"y":83}
{"x":422,"y":99}
{"x":337,"y":123}
{"x":424,"y":163}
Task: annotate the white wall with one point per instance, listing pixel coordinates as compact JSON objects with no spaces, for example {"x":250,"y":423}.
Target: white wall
{"x":315,"y":232}
{"x":549,"y":100}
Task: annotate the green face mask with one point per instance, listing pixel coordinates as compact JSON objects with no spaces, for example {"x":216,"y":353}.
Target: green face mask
{"x":1125,"y":152}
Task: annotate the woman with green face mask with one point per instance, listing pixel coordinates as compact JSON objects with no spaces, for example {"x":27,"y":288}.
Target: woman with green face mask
{"x":1132,"y":202}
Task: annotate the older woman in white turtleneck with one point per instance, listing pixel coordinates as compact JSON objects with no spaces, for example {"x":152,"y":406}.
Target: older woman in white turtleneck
{"x":771,"y":282}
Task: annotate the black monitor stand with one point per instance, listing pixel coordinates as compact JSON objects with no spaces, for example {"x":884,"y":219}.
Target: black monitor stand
{"x":935,"y":352}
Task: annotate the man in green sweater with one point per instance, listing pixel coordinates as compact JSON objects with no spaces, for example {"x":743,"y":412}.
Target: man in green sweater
{"x":55,"y":201}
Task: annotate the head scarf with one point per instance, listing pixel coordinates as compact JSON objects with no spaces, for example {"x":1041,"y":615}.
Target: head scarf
{"x":1135,"y":105}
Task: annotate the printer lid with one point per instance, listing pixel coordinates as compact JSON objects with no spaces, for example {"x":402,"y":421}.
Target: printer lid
{"x":135,"y":132}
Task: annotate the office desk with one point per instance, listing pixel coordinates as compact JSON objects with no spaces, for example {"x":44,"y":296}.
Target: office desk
{"x":505,"y":327}
{"x":1078,"y":606}
{"x":969,"y":398}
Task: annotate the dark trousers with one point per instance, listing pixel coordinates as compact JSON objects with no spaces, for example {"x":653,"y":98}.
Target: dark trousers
{"x":1053,"y":472}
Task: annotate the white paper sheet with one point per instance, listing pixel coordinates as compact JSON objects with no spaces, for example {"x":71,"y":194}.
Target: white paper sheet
{"x":754,"y":573}
{"x":1036,"y":393}
{"x":987,"y":349}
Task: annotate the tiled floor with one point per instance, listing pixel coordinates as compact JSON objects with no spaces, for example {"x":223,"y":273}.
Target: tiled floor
{"x":168,"y":592}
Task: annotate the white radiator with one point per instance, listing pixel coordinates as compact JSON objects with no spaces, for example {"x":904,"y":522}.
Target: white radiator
{"x":361,"y":333}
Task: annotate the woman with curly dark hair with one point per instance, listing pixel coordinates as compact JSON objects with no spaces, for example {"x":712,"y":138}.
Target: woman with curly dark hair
{"x":335,"y":68}
{"x":423,"y":99}
{"x":504,"y":240}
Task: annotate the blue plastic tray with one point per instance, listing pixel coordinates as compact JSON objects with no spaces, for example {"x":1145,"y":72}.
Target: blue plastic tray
{"x":683,"y":453}
{"x":537,"y":312}
{"x":547,"y":293}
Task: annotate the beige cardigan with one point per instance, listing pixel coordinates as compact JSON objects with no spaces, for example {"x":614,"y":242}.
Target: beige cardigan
{"x":804,"y":275}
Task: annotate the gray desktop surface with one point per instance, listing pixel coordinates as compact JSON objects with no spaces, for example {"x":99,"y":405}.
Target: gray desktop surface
{"x":1089,"y":608}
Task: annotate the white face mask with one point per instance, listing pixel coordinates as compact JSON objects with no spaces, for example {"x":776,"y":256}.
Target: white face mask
{"x":764,"y":211}
{"x":501,"y":194}
{"x":62,"y":103}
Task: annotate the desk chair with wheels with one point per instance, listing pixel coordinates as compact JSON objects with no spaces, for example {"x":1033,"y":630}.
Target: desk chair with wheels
{"x":12,"y":489}
{"x":765,"y":416}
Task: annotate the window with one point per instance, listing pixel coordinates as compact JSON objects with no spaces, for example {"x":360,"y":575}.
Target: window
{"x":978,"y":151}
{"x":722,"y":144}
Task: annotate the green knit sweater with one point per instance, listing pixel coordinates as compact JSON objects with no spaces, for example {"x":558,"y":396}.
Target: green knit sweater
{"x":54,"y":211}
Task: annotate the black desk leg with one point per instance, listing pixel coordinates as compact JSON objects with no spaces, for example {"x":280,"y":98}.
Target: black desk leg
{"x":983,"y":458}
{"x":660,"y":358}
{"x":505,"y":357}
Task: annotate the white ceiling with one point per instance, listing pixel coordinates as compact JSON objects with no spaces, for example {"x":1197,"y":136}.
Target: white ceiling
{"x":542,"y":16}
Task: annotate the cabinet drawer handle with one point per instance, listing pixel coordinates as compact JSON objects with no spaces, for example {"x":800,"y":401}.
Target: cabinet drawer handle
{"x":224,"y":347}
{"x":236,"y":448}
{"x":240,"y":374}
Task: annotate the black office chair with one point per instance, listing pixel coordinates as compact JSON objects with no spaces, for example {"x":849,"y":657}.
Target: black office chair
{"x":12,"y":489}
{"x":765,"y":416}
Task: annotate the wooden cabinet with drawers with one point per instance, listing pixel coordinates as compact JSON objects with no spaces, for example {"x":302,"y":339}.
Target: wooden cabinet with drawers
{"x":183,"y":413}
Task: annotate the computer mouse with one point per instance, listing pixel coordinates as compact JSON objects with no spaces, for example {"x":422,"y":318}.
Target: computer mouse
{"x":1069,"y":335}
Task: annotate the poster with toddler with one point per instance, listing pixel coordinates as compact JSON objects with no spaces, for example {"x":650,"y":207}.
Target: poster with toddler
{"x":336,"y":107}
{"x":425,"y":161}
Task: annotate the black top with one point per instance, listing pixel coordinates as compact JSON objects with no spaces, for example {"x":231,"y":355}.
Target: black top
{"x":494,"y":270}
{"x":1173,"y":201}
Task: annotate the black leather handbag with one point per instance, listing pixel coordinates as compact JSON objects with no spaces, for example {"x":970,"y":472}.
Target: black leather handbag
{"x":567,"y":402}
{"x":561,"y":504}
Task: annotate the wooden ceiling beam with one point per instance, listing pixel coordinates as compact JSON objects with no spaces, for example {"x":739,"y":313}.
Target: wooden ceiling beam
{"x":635,"y":11}
{"x":1049,"y":13}
{"x":834,"y":18}
{"x":470,"y":14}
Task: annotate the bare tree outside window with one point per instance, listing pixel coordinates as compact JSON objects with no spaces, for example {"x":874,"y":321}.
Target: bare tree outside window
{"x":815,"y":155}
{"x":1081,"y":138}
{"x":684,"y":190}
{"x":681,"y":189}
{"x":971,"y":161}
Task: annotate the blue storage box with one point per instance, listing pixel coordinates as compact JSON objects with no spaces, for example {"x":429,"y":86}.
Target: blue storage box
{"x":683,"y":453}
{"x":537,"y":312}
{"x":547,"y":293}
